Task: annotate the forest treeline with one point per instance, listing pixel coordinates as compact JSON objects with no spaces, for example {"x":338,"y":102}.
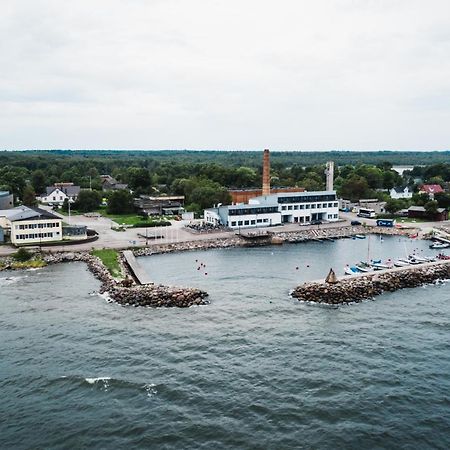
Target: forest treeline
{"x":205,"y":177}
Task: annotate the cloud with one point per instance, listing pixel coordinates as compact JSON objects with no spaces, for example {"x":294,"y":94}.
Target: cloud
{"x":210,"y":74}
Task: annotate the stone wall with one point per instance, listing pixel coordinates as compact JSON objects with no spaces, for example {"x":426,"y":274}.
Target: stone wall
{"x":362,"y":287}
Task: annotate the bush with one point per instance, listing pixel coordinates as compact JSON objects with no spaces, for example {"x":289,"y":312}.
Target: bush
{"x":22,"y":255}
{"x":162,"y":223}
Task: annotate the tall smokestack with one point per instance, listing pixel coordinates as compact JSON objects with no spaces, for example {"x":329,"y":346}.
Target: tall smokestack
{"x":266,"y":173}
{"x":329,"y":172}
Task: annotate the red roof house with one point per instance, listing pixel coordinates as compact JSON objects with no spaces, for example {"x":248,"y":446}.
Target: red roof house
{"x":431,"y":189}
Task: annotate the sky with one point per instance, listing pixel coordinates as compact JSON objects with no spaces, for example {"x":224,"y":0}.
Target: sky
{"x":229,"y":74}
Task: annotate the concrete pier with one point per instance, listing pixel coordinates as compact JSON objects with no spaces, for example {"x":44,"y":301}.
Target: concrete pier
{"x":136,"y":270}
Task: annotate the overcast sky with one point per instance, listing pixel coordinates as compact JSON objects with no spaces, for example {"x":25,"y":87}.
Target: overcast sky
{"x":229,"y":74}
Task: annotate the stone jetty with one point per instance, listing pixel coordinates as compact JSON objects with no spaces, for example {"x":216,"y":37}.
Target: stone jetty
{"x":363,"y":287}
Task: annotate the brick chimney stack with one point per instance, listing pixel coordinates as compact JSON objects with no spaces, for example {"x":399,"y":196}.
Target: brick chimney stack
{"x":266,"y":173}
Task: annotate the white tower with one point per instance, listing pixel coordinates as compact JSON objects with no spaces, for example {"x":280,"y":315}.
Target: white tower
{"x":329,"y":172}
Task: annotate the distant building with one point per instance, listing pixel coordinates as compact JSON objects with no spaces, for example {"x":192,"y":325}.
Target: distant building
{"x":56,"y":195}
{"x":400,"y":192}
{"x":373,"y":203}
{"x":277,"y":209}
{"x":6,"y":200}
{"x":24,"y":225}
{"x":431,"y":189}
{"x":160,"y":206}
{"x":244,"y":195}
{"x":111,"y":184}
{"x":421,"y":213}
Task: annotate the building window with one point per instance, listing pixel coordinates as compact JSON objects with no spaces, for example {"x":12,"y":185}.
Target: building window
{"x":253,"y":222}
{"x":246,"y":222}
{"x":240,"y":223}
{"x":308,"y":206}
{"x":259,"y":221}
{"x":233,"y":224}
{"x":290,"y":207}
{"x":313,"y":206}
{"x":295,"y":207}
{"x":283,"y":208}
{"x":302,"y":206}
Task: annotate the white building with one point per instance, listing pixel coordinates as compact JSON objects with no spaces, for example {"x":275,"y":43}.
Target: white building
{"x":26,"y":225}
{"x":57,"y":194}
{"x":276,"y":209}
{"x":397,"y":193}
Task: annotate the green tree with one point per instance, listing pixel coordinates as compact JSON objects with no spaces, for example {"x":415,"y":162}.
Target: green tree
{"x":355,"y":188}
{"x":443,"y":199}
{"x":39,"y":181}
{"x":139,"y":179}
{"x":431,"y":207}
{"x":29,"y":196}
{"x":120,"y":202}
{"x":87,"y":201}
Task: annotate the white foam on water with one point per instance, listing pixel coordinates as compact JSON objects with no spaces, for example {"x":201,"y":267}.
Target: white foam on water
{"x":105,"y":296}
{"x":150,"y":388}
{"x":11,"y":280}
{"x":96,"y":380}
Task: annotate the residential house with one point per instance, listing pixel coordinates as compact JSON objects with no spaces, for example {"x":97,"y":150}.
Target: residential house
{"x":431,"y":189}
{"x":400,"y":192}
{"x":24,"y":225}
{"x":56,"y":195}
{"x":111,"y":184}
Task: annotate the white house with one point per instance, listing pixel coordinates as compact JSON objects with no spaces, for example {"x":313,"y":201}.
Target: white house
{"x":58,"y":193}
{"x":276,"y":209}
{"x":26,"y":225}
{"x":397,"y":193}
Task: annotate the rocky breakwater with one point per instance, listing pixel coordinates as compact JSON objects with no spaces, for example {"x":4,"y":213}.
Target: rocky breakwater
{"x":206,"y":244}
{"x":156,"y":296}
{"x":314,"y":234}
{"x":358,"y":288}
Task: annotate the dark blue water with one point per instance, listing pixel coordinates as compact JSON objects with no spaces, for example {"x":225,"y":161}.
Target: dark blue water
{"x":254,"y":369}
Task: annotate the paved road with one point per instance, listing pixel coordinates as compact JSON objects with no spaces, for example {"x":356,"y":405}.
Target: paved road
{"x":108,"y":238}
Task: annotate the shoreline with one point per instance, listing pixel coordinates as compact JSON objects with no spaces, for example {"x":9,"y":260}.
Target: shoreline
{"x":127,"y":292}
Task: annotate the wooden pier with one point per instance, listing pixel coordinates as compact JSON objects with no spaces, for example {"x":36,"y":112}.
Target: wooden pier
{"x":136,"y":270}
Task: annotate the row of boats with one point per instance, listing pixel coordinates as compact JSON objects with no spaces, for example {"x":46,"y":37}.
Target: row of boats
{"x":411,"y":260}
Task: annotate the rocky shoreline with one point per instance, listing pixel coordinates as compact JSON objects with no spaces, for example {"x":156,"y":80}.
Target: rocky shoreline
{"x":126,"y":292}
{"x":363,"y":287}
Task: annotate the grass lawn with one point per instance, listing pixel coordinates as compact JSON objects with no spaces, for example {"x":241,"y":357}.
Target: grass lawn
{"x":110,"y":259}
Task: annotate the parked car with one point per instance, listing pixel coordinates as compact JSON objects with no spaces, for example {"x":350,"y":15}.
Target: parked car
{"x":316,"y":222}
{"x":355,"y":222}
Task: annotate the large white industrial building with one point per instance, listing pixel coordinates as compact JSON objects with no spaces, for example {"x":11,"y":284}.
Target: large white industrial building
{"x":277,"y":209}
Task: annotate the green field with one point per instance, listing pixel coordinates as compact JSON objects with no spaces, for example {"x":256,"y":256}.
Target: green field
{"x":110,"y":258}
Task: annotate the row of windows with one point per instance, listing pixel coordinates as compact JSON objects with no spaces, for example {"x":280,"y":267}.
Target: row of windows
{"x":308,"y":198}
{"x":247,"y":211}
{"x":32,"y":226}
{"x":309,"y":206}
{"x":241,"y":223}
{"x":36,"y":235}
{"x":332,"y":216}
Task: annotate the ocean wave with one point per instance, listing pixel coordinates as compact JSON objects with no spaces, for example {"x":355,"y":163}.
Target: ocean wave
{"x":109,"y":384}
{"x":11,"y":280}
